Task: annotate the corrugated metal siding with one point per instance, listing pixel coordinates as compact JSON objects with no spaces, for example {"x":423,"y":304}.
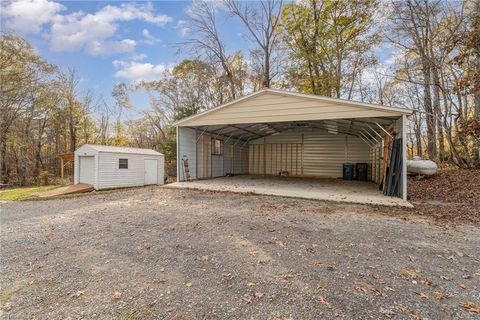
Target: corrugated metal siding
{"x":227,"y":158}
{"x":279,"y":157}
{"x":270,"y":107}
{"x":233,"y":160}
{"x":240,"y":162}
{"x":323,"y":153}
{"x":110,"y":176}
{"x":186,"y":140}
{"x":217,"y":166}
{"x":358,"y":152}
{"x":204,"y":156}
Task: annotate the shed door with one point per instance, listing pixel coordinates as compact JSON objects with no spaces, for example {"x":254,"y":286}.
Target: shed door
{"x":151,"y":172}
{"x":87,"y":170}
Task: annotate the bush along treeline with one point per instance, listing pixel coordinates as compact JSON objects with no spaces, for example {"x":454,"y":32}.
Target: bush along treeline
{"x":332,"y":48}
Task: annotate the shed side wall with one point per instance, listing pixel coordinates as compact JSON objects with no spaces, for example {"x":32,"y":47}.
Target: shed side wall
{"x":110,"y":176}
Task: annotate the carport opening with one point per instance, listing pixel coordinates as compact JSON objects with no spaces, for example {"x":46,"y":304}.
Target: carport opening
{"x":317,"y":149}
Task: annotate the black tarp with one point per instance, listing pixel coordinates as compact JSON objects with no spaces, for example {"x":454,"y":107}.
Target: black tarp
{"x":394,"y":181}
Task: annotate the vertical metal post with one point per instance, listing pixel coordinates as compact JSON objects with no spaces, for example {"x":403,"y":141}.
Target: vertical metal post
{"x":302,"y":152}
{"x":264,"y":156}
{"x":196,"y":154}
{"x":404,"y":157}
{"x":179,"y":161}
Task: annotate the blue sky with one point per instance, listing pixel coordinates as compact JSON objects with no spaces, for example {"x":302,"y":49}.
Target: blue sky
{"x":115,"y":41}
{"x":108,"y":41}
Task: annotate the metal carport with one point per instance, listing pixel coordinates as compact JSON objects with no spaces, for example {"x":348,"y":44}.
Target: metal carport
{"x":274,"y":132}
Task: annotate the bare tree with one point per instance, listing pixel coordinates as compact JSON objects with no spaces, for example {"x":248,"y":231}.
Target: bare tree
{"x":70,"y":91}
{"x":413,"y":30}
{"x":261,"y":20}
{"x":203,"y":22}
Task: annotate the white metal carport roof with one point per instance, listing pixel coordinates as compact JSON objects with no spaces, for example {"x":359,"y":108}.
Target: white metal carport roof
{"x":271,"y":111}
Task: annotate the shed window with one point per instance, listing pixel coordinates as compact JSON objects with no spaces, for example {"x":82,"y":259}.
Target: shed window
{"x":216,"y":147}
{"x":122,"y":163}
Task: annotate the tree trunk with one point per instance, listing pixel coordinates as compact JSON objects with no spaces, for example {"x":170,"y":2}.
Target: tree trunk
{"x":438,"y":113}
{"x":266,"y":71}
{"x":430,"y":117}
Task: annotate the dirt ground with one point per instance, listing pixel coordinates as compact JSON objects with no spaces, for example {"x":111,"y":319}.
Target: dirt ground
{"x":156,"y":253}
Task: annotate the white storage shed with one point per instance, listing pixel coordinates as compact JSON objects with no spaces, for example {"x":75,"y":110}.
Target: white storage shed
{"x":275,"y":133}
{"x":107,"y":167}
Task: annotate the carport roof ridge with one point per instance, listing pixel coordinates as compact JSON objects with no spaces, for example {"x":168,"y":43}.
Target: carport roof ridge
{"x":394,"y":110}
{"x":115,"y":149}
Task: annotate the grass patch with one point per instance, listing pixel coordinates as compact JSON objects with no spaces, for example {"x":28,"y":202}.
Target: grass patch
{"x":130,"y":315}
{"x":19,"y":194}
{"x":4,"y":297}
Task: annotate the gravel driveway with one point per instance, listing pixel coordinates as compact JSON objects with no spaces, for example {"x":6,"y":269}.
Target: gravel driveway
{"x":156,"y":253}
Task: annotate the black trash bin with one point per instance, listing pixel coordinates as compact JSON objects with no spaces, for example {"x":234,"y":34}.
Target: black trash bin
{"x":361,"y":171}
{"x":348,"y":170}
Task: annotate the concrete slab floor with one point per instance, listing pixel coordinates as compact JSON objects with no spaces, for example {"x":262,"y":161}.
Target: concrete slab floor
{"x":317,"y":189}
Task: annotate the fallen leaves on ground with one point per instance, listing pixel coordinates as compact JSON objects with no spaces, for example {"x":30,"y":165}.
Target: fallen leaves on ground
{"x":363,"y":287}
{"x":48,"y":235}
{"x":77,"y":294}
{"x":470,"y":306}
{"x":410,"y":274}
{"x":457,"y":192}
{"x":424,"y":295}
{"x":321,"y":287}
{"x":317,"y":263}
{"x":287,"y":276}
{"x":439,"y":295}
{"x":248,"y":299}
{"x":324,"y":300}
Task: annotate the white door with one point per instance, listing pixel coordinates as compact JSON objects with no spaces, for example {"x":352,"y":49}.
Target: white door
{"x":87,"y":170}
{"x":151,"y":172}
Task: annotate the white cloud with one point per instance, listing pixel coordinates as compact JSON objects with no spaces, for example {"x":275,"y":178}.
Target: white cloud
{"x":149,"y":39}
{"x":108,"y":47}
{"x":95,"y":33}
{"x":90,"y":31}
{"x":139,"y":57}
{"x":182,"y":25}
{"x":146,"y":33}
{"x":136,"y":71}
{"x":28,"y":16}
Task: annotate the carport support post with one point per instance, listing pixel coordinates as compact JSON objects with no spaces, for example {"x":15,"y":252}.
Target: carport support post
{"x":404,"y":157}
{"x":264,"y":156}
{"x":178,"y":156}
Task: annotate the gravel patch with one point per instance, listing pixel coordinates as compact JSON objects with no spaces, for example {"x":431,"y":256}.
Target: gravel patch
{"x":156,"y":253}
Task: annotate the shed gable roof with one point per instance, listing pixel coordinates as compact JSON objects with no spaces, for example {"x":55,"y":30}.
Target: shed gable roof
{"x":114,"y":149}
{"x":271,"y":105}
